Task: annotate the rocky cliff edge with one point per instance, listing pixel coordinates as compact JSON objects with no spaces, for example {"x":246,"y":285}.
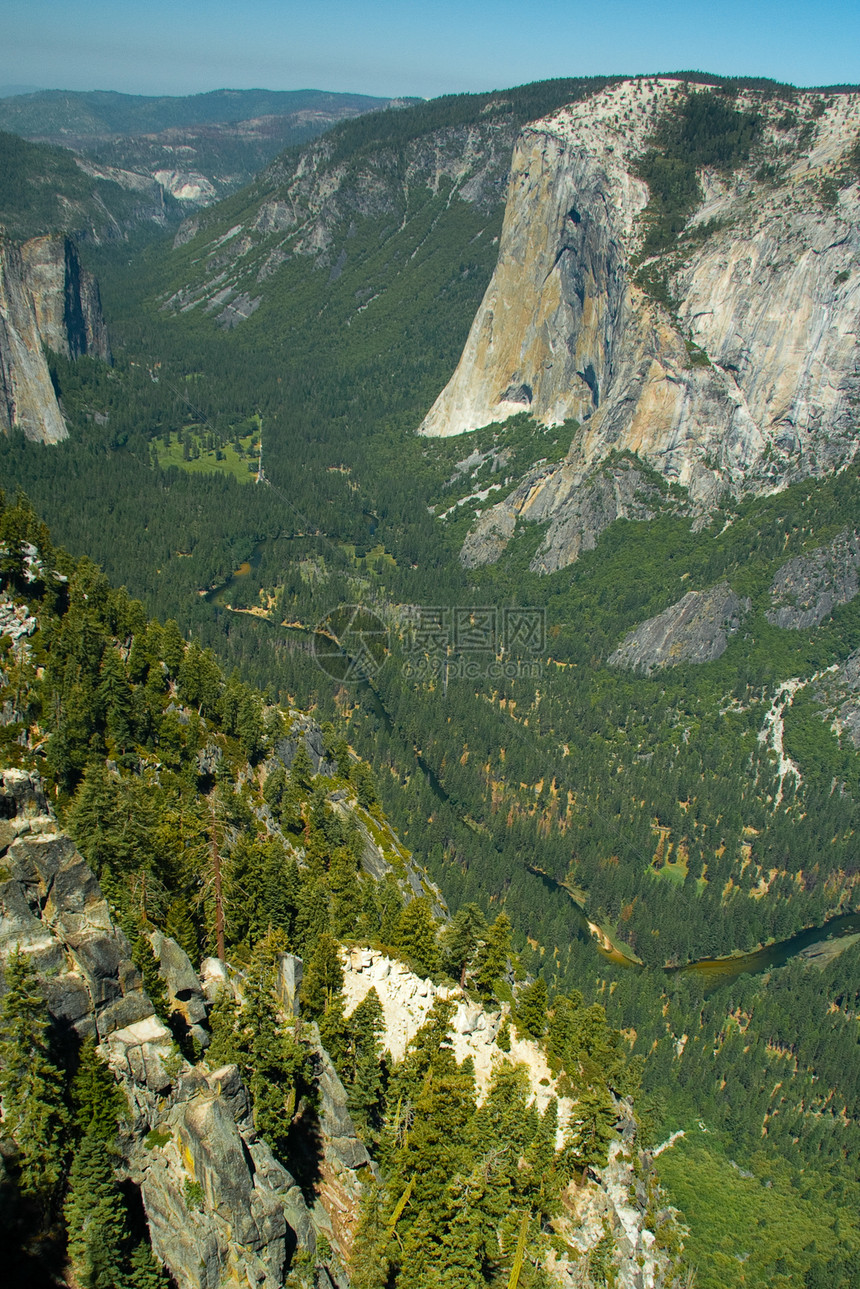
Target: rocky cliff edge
{"x":748,"y":381}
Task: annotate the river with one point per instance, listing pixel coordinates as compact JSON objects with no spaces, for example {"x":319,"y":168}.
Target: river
{"x":715,"y":971}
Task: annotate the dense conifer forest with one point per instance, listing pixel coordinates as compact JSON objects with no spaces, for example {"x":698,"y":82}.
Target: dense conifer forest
{"x":553,"y":785}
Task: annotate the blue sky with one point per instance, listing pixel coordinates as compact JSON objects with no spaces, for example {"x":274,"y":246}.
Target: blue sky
{"x":391,"y":47}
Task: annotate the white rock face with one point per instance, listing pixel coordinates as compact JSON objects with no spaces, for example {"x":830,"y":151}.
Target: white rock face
{"x":186,"y":185}
{"x":590,"y":1209}
{"x":406,"y":1002}
{"x":771,"y":296}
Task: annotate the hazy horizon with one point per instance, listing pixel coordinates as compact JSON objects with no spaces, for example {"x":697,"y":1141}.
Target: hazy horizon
{"x":395,"y":49}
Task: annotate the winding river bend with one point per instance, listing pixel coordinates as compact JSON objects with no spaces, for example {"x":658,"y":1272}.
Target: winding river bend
{"x":714,"y":971}
{"x":719,"y":971}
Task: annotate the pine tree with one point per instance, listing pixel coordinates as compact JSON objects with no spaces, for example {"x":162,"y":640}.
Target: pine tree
{"x":364,"y":1094}
{"x":145,"y":1271}
{"x":147,"y":964}
{"x":590,"y":1129}
{"x":226,"y":1047}
{"x":323,"y":977}
{"x":334,"y":1032}
{"x":302,"y":768}
{"x":416,"y":938}
{"x":273,"y":788}
{"x":531,"y":1008}
{"x":274,"y":1064}
{"x":344,"y":890}
{"x":492,"y":956}
{"x":364,"y":781}
{"x":95,"y":1216}
{"x":460,"y":939}
{"x":343,"y":758}
{"x":541,"y":1179}
{"x":116,"y":700}
{"x":98,"y":1103}
{"x":180,"y":927}
{"x":31,"y":1084}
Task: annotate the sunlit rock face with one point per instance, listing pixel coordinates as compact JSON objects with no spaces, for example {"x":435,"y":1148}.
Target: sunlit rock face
{"x":750,"y":382}
{"x":27,"y":398}
{"x":47,"y":301}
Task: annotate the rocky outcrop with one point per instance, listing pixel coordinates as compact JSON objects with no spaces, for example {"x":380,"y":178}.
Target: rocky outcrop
{"x":184,"y":992}
{"x":808,"y":588}
{"x":838,"y":692}
{"x":52,"y":908}
{"x":406,"y":1003}
{"x":576,"y":512}
{"x":695,"y":630}
{"x":221,"y":1209}
{"x":66,"y":299}
{"x":27,"y":398}
{"x":599,"y":1203}
{"x":614,"y":1207}
{"x":749,"y":384}
{"x":304,"y":729}
{"x":47,"y":300}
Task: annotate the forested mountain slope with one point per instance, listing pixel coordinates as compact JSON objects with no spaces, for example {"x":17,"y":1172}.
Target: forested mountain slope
{"x":48,"y":189}
{"x":669,"y":744}
{"x":261,"y":1123}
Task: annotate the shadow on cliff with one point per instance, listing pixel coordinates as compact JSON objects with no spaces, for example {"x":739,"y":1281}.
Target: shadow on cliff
{"x":305,"y":1152}
{"x":32,"y":1256}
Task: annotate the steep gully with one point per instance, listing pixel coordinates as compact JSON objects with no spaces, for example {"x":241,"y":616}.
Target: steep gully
{"x":714,"y":971}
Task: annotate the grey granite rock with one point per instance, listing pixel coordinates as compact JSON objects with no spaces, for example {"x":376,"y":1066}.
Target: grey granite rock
{"x":694,"y":630}
{"x":221,"y":1209}
{"x":808,"y":588}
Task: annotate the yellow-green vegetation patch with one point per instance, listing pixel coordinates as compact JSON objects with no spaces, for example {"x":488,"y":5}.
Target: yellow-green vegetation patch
{"x":760,"y":1225}
{"x":382,"y":836}
{"x":372,"y":559}
{"x":157,"y":1137}
{"x":675,"y":873}
{"x":196,"y":452}
{"x":379,"y":555}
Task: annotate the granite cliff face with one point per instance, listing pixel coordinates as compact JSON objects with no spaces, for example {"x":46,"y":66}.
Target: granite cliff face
{"x":65,"y":298}
{"x":751,"y":380}
{"x":188,"y":1127}
{"x":27,"y":398}
{"x":576,"y":509}
{"x":47,"y":300}
{"x":806,"y":589}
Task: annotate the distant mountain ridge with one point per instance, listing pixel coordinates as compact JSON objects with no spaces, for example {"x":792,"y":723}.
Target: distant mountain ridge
{"x":196,"y":147}
{"x":47,"y":113}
